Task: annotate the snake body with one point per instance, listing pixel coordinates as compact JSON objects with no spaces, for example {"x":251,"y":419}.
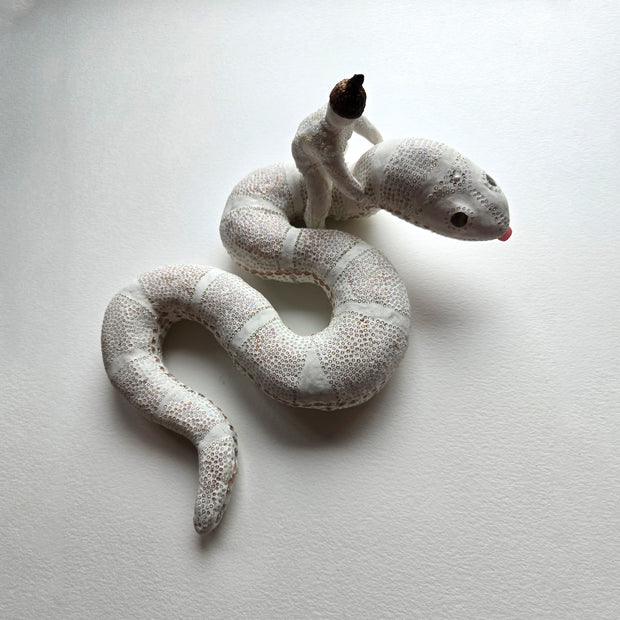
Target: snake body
{"x":422,"y":181}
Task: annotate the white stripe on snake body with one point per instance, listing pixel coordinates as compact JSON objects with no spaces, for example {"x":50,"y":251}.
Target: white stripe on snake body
{"x":341,"y":366}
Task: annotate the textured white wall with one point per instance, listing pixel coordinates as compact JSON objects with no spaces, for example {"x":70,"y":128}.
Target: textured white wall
{"x":481,"y":483}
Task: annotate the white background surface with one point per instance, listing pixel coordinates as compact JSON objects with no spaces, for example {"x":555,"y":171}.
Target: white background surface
{"x":483,"y":482}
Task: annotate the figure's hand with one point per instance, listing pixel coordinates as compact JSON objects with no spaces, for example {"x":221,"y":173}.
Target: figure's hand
{"x":337,"y":170}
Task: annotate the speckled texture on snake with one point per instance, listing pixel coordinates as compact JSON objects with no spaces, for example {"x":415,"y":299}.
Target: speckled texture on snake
{"x":421,"y":181}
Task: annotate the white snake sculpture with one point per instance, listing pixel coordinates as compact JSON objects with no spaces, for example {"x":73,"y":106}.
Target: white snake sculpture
{"x":421,"y":181}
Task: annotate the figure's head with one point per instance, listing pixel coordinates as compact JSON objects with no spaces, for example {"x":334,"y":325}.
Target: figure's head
{"x":431,"y":185}
{"x":348,"y":97}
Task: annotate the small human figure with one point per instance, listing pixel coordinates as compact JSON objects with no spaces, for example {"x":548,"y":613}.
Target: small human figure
{"x":320,"y":143}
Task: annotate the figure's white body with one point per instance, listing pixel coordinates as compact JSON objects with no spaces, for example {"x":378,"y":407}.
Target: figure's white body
{"x":421,"y":181}
{"x":318,"y":150}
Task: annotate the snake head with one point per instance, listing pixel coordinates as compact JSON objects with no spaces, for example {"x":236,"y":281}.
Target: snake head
{"x":468,"y":205}
{"x":433,"y":186}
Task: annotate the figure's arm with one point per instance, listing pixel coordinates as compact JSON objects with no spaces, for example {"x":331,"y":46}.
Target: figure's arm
{"x":367,"y":130}
{"x":341,"y":176}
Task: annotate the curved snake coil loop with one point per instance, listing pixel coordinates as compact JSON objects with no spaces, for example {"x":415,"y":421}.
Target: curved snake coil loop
{"x":421,"y":181}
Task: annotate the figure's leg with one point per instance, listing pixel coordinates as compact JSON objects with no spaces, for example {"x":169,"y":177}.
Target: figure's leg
{"x":319,"y":189}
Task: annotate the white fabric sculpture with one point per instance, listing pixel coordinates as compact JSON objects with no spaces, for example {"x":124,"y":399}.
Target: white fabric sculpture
{"x":421,"y":181}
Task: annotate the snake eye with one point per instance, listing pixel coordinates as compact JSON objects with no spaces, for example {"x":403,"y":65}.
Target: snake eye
{"x":490,"y":180}
{"x":459,"y":219}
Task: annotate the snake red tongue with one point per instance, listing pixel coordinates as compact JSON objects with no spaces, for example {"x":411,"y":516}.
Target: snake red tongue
{"x":506,"y":235}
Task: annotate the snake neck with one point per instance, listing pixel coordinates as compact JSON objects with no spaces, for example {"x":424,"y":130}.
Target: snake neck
{"x":395,"y":175}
